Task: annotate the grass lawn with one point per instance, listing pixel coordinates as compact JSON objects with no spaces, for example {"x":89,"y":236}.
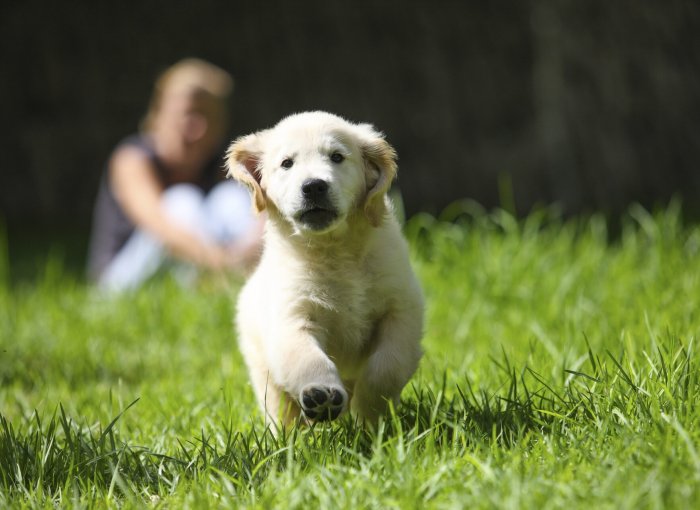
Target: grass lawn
{"x":561,"y":371}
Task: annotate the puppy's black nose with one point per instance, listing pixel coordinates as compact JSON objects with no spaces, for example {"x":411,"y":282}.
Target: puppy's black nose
{"x":314,"y":188}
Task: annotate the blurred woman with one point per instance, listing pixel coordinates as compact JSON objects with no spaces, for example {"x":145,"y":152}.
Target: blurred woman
{"x":163,"y":197}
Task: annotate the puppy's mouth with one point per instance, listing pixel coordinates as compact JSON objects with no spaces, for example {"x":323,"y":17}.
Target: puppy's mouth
{"x":317,"y":217}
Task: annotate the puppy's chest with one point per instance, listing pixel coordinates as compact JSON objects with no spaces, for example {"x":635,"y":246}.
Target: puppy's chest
{"x":343,"y":307}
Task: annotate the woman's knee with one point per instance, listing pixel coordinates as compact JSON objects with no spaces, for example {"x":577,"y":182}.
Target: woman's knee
{"x":183,"y":203}
{"x":228,"y":211}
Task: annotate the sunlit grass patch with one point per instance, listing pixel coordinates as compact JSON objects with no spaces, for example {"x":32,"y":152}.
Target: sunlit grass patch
{"x":561,"y":370}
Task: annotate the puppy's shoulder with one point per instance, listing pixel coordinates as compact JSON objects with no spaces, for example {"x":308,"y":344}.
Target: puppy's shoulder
{"x":388,"y":246}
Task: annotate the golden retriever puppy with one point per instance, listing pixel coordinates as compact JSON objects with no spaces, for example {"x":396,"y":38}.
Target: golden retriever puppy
{"x":332,"y":317}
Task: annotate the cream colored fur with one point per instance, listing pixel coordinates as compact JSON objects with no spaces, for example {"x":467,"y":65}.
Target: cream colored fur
{"x":333,"y":309}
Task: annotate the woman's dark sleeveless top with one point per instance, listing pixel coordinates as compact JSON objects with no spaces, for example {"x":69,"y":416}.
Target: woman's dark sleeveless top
{"x":110,"y":226}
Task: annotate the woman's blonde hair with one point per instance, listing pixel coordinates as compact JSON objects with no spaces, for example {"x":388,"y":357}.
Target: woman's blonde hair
{"x":191,"y":75}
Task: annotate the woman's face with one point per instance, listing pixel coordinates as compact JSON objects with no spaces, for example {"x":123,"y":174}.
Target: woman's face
{"x":189,"y":127}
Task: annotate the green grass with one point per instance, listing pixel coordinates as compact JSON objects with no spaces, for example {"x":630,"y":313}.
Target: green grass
{"x":561,"y":371}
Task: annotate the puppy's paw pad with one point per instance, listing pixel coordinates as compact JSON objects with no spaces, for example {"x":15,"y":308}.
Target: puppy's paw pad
{"x":322,"y":403}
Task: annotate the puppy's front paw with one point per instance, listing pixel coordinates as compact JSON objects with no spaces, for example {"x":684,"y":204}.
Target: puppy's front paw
{"x":322,"y":403}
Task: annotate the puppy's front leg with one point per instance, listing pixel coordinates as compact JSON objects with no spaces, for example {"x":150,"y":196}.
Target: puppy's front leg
{"x":393,"y":360}
{"x":302,"y":369}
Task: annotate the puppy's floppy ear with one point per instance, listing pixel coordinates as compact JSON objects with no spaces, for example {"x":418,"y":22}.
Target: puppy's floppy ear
{"x":243,"y":162}
{"x":380,"y":162}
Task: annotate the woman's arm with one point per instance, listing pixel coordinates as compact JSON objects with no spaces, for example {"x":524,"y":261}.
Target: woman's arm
{"x":137,"y":189}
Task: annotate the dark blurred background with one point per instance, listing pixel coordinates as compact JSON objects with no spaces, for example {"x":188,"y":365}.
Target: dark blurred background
{"x":588,"y":104}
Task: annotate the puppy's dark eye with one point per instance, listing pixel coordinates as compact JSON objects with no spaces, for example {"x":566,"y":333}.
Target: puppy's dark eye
{"x":288,"y":163}
{"x":337,"y":157}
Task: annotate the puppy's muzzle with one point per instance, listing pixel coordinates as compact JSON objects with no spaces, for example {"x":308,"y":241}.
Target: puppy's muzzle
{"x":318,"y":211}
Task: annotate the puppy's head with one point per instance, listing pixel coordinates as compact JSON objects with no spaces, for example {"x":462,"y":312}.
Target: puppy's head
{"x":316,"y":170}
